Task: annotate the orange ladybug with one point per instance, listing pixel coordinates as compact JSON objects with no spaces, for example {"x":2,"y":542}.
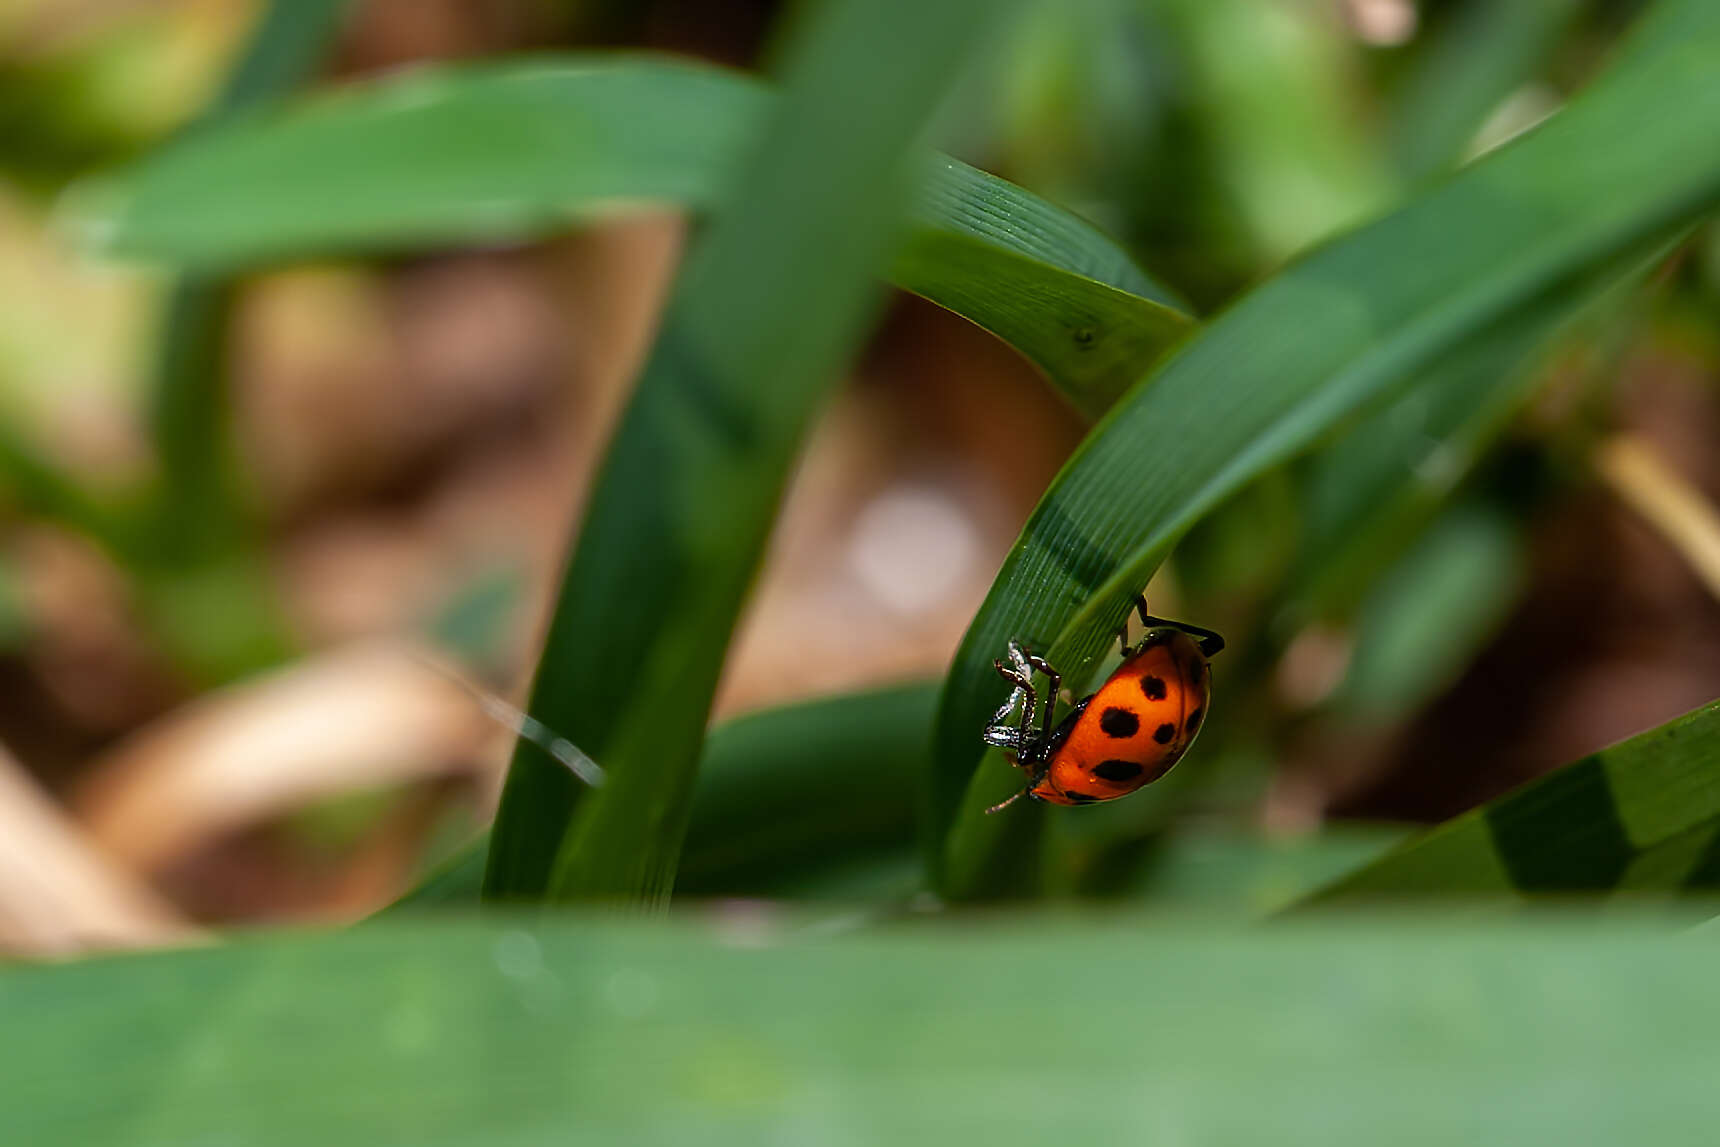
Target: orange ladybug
{"x":1128,"y":734}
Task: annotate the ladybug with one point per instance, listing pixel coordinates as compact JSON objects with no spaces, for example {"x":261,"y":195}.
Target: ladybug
{"x":1127,"y":735}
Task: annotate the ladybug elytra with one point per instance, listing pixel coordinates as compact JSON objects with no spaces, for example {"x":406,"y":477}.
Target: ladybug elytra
{"x":1126,"y":735}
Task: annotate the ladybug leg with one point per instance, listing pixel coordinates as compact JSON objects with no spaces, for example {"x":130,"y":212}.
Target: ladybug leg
{"x":999,"y":733}
{"x":1209,"y":642}
{"x":1027,"y":753}
{"x":1019,"y":739}
{"x":1124,"y":649}
{"x":1055,"y":682}
{"x":1023,"y":662}
{"x":1029,"y":738}
{"x":1027,"y":741}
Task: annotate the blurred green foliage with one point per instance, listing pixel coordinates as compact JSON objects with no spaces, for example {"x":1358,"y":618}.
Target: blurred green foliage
{"x":751,"y":1027}
{"x":1396,"y":257}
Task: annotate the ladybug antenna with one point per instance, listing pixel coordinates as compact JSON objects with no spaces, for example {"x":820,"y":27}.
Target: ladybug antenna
{"x":1003,"y":804}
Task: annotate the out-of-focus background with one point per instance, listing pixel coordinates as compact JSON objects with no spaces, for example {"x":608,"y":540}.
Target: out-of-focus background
{"x":287,"y":730}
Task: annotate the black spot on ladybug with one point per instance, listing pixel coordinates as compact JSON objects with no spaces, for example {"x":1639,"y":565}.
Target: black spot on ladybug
{"x":1118,"y":771}
{"x":1164,"y":733}
{"x":1154,"y":688}
{"x":1080,"y":798}
{"x":1119,"y":723}
{"x":1193,"y":721}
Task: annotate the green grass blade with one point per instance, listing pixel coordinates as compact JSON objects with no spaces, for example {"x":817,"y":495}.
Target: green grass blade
{"x":1368,"y":495}
{"x":206,"y":597}
{"x":1642,"y":816}
{"x":767,"y":309}
{"x":479,"y":153}
{"x":780,"y":792}
{"x":1464,"y":68}
{"x":486,"y":1034}
{"x":197,"y":503}
{"x":791,"y":790}
{"x":1048,"y":284}
{"x":287,"y":47}
{"x":188,"y":395}
{"x":1213,"y":871}
{"x":1431,"y":613}
{"x":1629,"y":160}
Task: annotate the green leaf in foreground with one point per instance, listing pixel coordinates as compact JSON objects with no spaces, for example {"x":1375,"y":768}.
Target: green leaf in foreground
{"x":783,"y":795}
{"x":480,"y":153}
{"x":481,"y":1034}
{"x":1629,"y":160}
{"x":772,"y":301}
{"x":1642,"y":816}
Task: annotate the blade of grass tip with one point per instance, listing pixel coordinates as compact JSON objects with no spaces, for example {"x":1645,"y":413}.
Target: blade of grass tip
{"x":1594,"y":826}
{"x":1632,"y":158}
{"x":472,"y":154}
{"x":770,"y":304}
{"x":1052,"y":286}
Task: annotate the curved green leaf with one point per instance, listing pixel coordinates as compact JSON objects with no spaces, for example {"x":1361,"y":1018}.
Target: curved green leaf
{"x":478,"y":154}
{"x":1642,"y":816}
{"x":776,"y":295}
{"x":1632,"y":158}
{"x":781,"y":793}
{"x":507,"y":1034}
